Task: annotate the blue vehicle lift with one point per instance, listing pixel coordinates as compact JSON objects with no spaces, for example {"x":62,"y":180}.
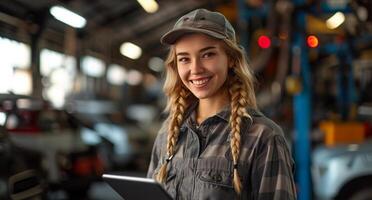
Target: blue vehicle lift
{"x":301,"y":68}
{"x":302,"y":104}
{"x":302,"y":101}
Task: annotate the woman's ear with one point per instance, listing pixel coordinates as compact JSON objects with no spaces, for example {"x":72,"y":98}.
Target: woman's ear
{"x":231,"y":64}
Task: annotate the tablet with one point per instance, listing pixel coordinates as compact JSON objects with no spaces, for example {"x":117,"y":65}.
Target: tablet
{"x":135,"y":188}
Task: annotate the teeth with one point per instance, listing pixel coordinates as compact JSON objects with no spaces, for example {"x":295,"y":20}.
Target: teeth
{"x":199,"y":82}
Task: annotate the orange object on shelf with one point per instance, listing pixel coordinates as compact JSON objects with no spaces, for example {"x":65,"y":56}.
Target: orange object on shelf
{"x":342,"y":132}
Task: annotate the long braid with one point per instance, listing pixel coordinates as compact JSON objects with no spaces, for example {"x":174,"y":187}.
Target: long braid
{"x":238,"y":95}
{"x":175,"y":121}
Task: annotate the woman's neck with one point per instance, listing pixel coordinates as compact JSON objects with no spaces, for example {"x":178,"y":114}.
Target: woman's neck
{"x":208,"y":108}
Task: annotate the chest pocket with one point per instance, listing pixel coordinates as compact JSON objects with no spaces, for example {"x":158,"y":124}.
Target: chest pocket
{"x":214,"y":179}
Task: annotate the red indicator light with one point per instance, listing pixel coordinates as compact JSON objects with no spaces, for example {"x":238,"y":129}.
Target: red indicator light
{"x":312,"y":41}
{"x":264,"y":42}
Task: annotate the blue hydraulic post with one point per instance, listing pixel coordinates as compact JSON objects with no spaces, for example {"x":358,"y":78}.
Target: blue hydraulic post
{"x":342,"y":84}
{"x":302,"y":107}
{"x":351,"y":82}
{"x":346,"y":95}
{"x":345,"y":81}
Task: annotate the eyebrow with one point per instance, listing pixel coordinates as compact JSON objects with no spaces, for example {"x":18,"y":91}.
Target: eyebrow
{"x":201,"y":50}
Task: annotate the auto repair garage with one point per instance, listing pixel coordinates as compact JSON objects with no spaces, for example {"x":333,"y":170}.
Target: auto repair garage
{"x":81,"y":92}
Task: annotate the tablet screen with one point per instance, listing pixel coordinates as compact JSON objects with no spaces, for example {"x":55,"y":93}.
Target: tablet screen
{"x":136,"y":188}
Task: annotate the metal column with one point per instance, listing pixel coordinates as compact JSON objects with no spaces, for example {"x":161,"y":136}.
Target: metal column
{"x":302,"y":108}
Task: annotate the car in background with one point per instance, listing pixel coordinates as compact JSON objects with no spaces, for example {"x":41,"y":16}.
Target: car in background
{"x":48,"y":145}
{"x":343,"y":172}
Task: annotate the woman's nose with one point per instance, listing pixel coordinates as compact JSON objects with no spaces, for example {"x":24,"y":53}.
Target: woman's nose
{"x":196,"y":66}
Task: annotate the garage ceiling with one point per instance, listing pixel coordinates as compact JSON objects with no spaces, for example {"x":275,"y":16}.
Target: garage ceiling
{"x":109,"y":24}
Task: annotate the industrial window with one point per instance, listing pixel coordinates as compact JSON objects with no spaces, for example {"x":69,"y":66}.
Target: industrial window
{"x":116,"y":74}
{"x":59,"y":72}
{"x":15,"y":70}
{"x":92,"y":66}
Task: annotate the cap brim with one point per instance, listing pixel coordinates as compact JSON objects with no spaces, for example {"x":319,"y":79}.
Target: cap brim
{"x":172,"y":36}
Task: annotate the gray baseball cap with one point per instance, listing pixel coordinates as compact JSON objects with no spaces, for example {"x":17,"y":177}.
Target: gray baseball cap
{"x":200,"y":21}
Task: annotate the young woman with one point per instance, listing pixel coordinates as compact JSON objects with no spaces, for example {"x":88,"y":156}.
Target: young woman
{"x":215,"y":144}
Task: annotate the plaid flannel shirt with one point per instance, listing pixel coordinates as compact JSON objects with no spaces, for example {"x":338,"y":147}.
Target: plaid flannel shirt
{"x":202,"y":166}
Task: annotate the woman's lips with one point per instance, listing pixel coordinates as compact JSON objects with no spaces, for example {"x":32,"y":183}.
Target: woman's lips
{"x":200,"y":82}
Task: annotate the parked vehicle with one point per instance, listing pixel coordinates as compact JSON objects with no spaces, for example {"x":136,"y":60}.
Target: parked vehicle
{"x":20,"y":171}
{"x":48,"y":145}
{"x":343,"y":172}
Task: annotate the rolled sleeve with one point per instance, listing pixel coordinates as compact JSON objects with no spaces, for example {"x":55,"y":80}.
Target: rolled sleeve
{"x":272,"y":176}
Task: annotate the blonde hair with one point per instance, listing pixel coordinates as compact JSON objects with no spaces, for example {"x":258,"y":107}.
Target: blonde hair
{"x":240,"y":82}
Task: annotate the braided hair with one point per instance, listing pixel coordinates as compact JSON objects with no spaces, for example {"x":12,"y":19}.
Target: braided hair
{"x":241,"y":91}
{"x":175,"y":120}
{"x":178,"y":99}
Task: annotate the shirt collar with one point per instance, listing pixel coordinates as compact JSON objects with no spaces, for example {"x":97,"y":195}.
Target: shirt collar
{"x":189,"y":115}
{"x":223,"y":114}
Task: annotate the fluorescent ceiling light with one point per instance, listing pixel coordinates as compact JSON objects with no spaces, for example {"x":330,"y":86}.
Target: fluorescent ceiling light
{"x":149,"y":6}
{"x":336,"y":20}
{"x":67,"y":16}
{"x":130,"y":50}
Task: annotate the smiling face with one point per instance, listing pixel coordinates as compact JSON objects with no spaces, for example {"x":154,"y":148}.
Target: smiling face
{"x":202,"y":65}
